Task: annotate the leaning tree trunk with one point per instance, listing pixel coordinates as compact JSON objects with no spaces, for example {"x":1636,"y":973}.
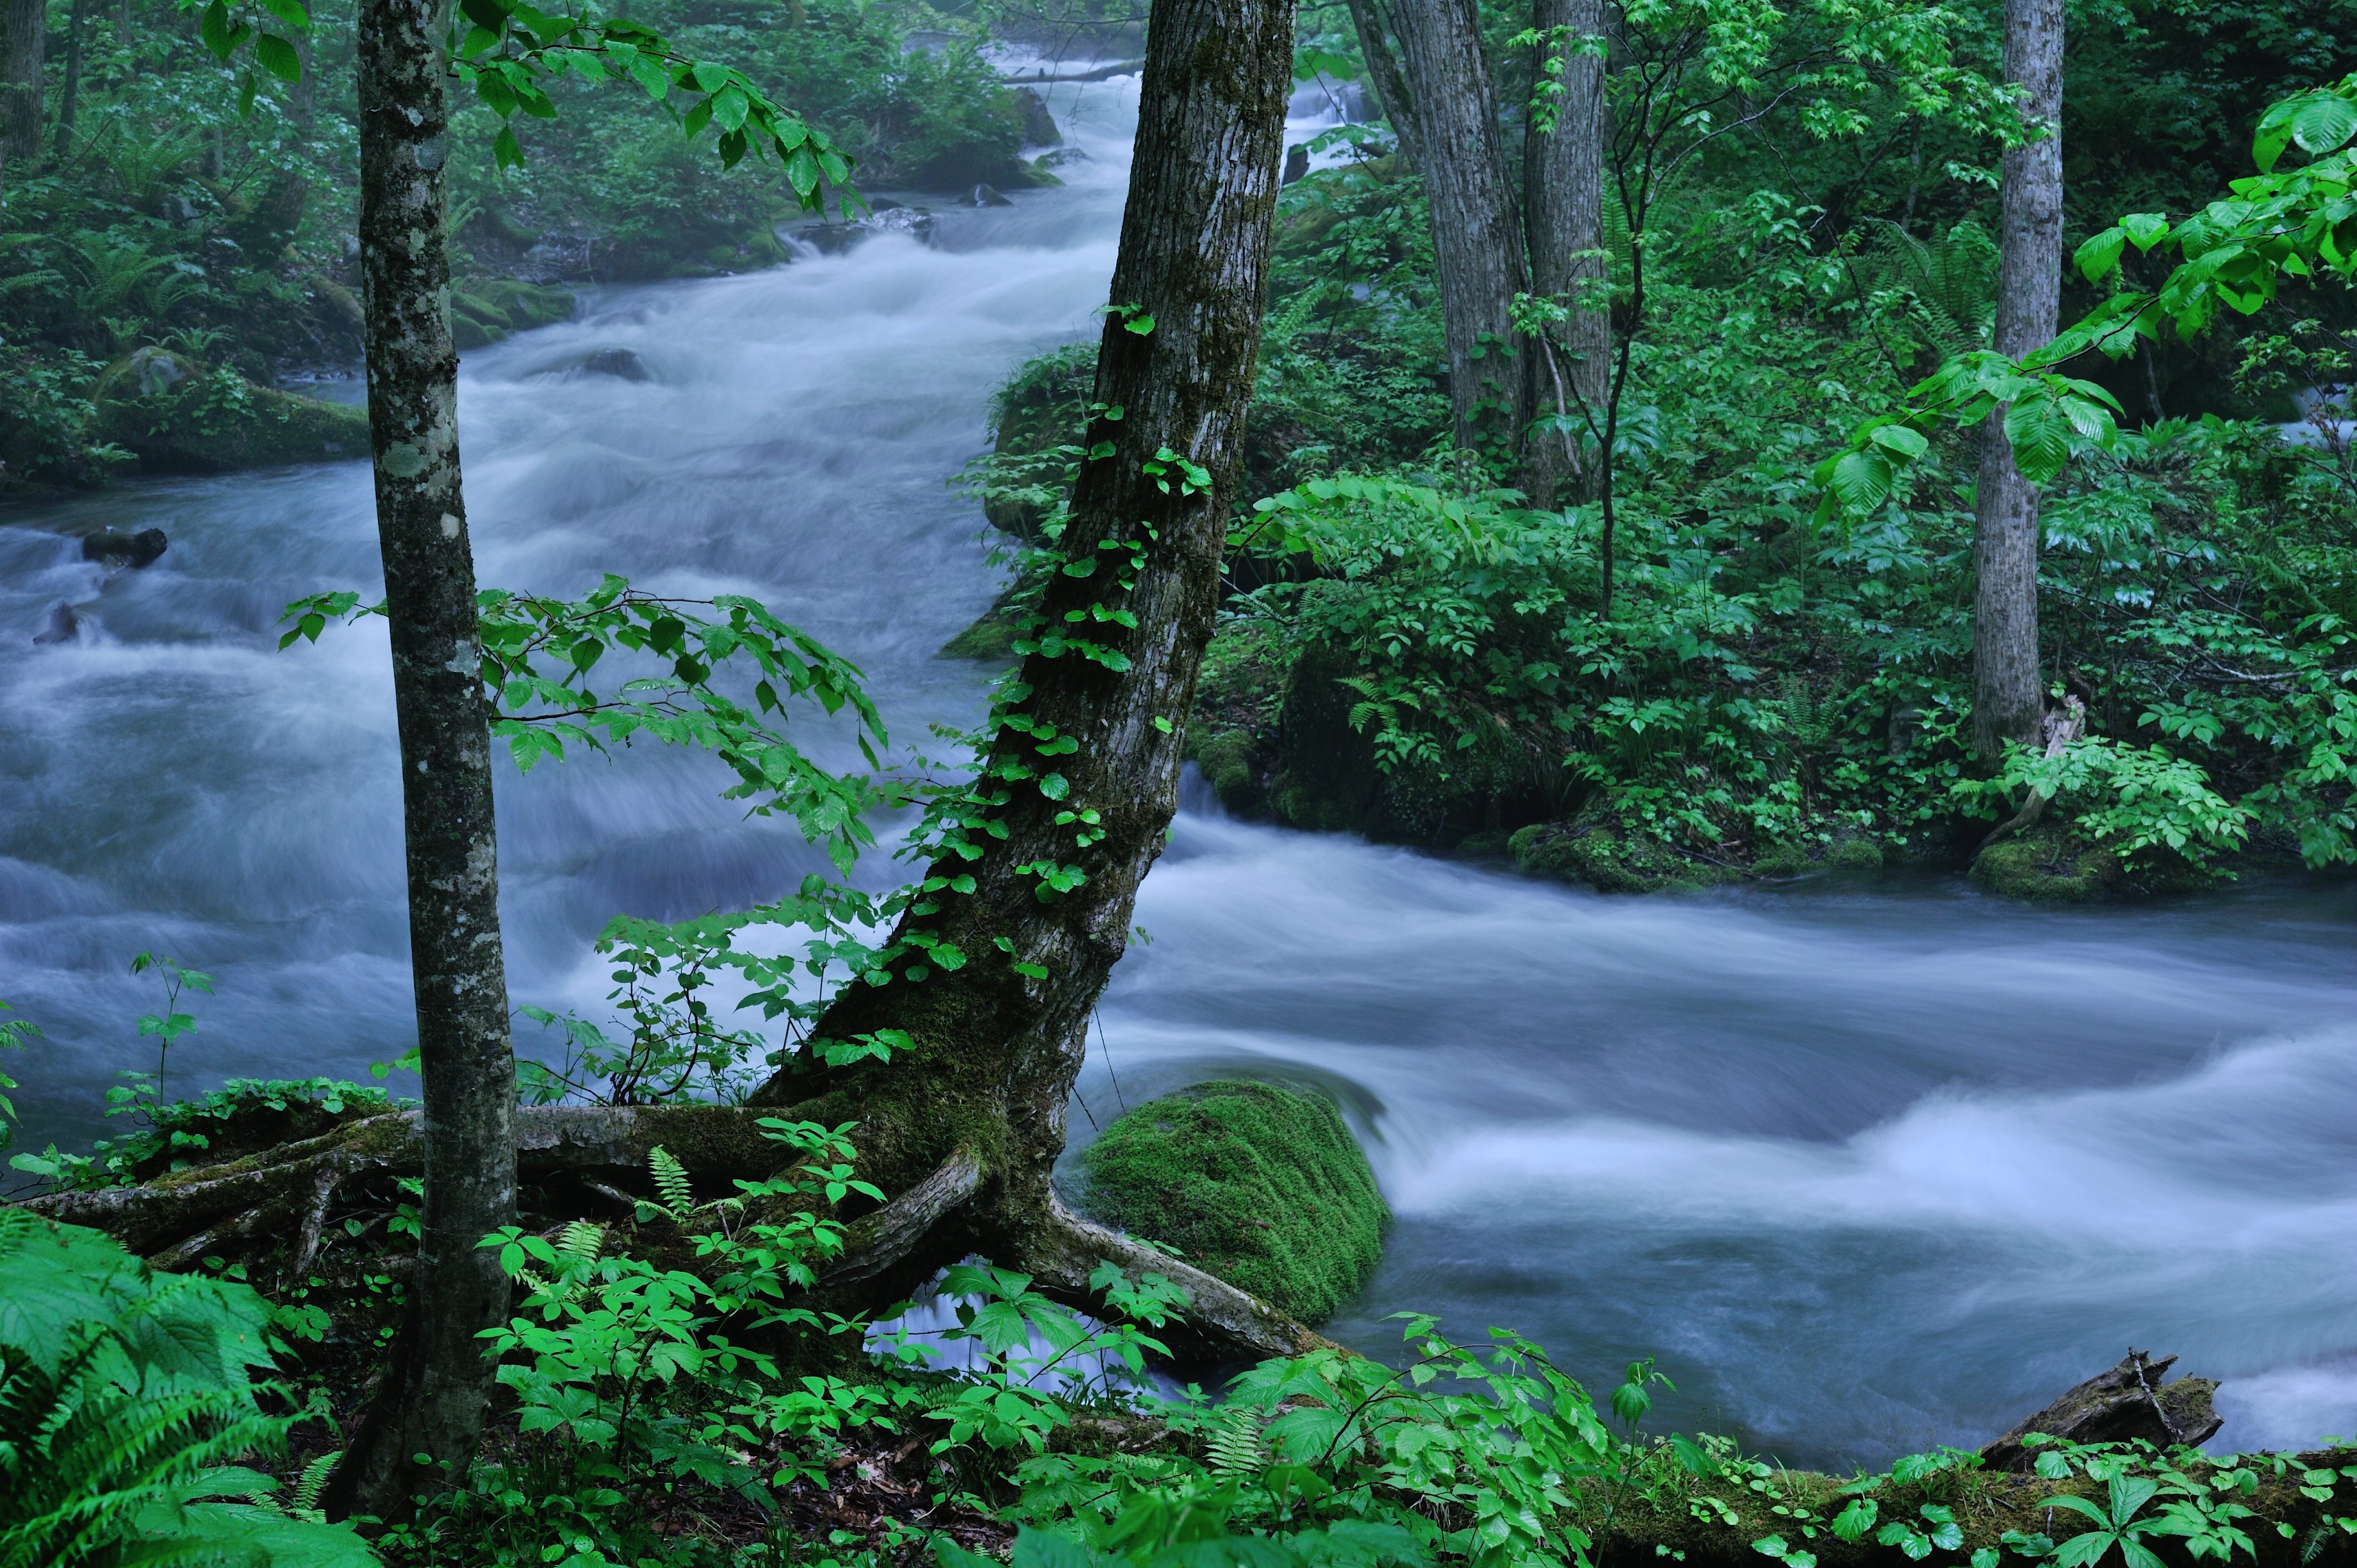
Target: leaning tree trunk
{"x":1563,"y":219}
{"x":70,"y":90}
{"x":1476,"y":237}
{"x":2006,"y":701}
{"x":1384,"y":76}
{"x":1081,"y":783}
{"x":433,"y":1400}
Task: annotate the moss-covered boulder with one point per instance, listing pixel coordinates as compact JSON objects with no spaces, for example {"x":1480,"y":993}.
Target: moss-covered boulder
{"x":177,"y":415}
{"x":1263,"y":1187}
{"x":1231,"y":733}
{"x":484,"y":310}
{"x":2048,"y":865}
{"x":1611,"y":860}
{"x":991,"y":639}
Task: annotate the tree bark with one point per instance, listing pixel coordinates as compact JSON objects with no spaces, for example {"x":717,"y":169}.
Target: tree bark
{"x":965,"y":1121}
{"x":1477,"y":236}
{"x":1563,"y":175}
{"x":435,"y":1405}
{"x":1384,"y":76}
{"x":2006,"y":700}
{"x":69,"y":91}
{"x":24,"y":35}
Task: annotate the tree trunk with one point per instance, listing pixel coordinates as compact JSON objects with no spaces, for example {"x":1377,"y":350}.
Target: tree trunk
{"x":24,"y":35}
{"x":433,"y":1403}
{"x":1476,"y":237}
{"x":967,"y":1118}
{"x":2006,"y":701}
{"x":1563,"y":175}
{"x":1384,"y":76}
{"x":69,"y":92}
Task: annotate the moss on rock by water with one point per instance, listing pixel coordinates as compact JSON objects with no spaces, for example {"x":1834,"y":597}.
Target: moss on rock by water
{"x":1263,"y":1187}
{"x":484,"y":310}
{"x":178,"y":416}
{"x":1608,"y":860}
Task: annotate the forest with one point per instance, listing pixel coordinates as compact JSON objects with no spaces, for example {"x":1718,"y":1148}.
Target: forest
{"x":1672,"y":677}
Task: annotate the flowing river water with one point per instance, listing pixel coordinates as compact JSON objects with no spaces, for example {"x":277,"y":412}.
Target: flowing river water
{"x":1868,"y":1165}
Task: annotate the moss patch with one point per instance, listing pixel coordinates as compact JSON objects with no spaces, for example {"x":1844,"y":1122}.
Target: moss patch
{"x":2046,"y":865}
{"x":178,"y":416}
{"x":484,"y":310}
{"x":1610,"y":860}
{"x":1265,"y":1187}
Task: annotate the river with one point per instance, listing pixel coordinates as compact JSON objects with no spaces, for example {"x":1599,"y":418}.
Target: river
{"x":1867,"y":1165}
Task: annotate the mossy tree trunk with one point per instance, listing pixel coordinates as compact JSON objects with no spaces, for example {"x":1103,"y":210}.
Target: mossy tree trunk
{"x":1080,"y":784}
{"x":434,"y":1397}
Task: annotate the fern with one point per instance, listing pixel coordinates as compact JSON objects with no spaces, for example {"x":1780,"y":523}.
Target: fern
{"x":671,"y":1182}
{"x":1235,"y":1451}
{"x":581,"y":1239}
{"x":126,"y":1408}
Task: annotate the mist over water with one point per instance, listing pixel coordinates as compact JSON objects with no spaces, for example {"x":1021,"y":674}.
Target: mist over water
{"x":1867,"y":1166}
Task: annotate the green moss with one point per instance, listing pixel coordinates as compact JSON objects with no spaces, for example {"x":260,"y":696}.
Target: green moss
{"x":1855,"y":855}
{"x":1610,"y":860}
{"x":991,"y":637}
{"x":1263,"y":1187}
{"x":179,"y":416}
{"x":2047,"y":867}
{"x":484,"y":310}
{"x":1228,"y":763}
{"x":1782,"y":860}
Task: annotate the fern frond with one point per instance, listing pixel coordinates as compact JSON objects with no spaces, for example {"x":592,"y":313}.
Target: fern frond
{"x":305,"y":1501}
{"x":581,"y":1239}
{"x":1235,"y":1451}
{"x":671,"y":1181}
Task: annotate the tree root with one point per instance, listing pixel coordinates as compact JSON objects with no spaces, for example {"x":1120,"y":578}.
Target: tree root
{"x":2062,"y":726}
{"x":1062,"y":1251}
{"x":875,"y":1242}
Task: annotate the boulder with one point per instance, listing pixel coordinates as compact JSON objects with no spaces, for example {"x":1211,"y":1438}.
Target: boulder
{"x":1296,"y":162}
{"x":2128,"y":1402}
{"x":988,"y":196}
{"x":133,"y":550}
{"x":1039,"y":128}
{"x":1263,"y":1187}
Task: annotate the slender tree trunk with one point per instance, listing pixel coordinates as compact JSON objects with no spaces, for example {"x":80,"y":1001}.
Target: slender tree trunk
{"x":1562,"y":174}
{"x":70,"y":94}
{"x":1477,"y":236}
{"x":965,"y":1122}
{"x":1384,"y":76}
{"x":2006,"y":701}
{"x":432,"y":1403}
{"x":24,"y":35}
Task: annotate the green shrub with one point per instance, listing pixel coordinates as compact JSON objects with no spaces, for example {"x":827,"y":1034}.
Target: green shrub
{"x":1259,"y":1185}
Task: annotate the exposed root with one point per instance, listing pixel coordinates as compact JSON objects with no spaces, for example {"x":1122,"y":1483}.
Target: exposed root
{"x":2060,"y":726}
{"x":1061,"y":1252}
{"x":875,"y":1242}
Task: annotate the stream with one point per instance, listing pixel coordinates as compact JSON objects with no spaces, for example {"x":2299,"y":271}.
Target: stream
{"x":1869,"y":1165}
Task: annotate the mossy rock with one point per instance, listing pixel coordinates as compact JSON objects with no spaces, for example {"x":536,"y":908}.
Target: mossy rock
{"x":1263,"y":1187}
{"x":484,"y":310}
{"x":1782,"y":860}
{"x":1231,"y":765}
{"x":1610,"y":860}
{"x":2047,"y":868}
{"x":1855,"y":854}
{"x":179,"y":416}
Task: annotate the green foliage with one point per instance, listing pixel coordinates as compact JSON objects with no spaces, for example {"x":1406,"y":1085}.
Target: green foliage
{"x":1329,"y":1458}
{"x":1263,"y":1185}
{"x":2138,"y":800}
{"x":128,"y":1415}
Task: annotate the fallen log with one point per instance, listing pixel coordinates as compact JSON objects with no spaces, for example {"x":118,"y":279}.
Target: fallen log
{"x":2121,"y":1403}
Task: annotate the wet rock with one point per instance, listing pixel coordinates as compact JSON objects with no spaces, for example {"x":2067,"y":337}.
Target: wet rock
{"x":134,"y":550}
{"x":914,"y":221}
{"x":2127,"y":1402}
{"x":1062,"y":157}
{"x":988,"y":196}
{"x":1039,"y":128}
{"x":620,"y":363}
{"x":156,"y":371}
{"x":1296,"y":162}
{"x":63,"y":624}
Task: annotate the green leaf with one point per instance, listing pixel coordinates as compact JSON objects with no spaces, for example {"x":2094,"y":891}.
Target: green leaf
{"x":277,"y":57}
{"x":2322,"y":121}
{"x":2146,"y":229}
{"x":1908,"y":444}
{"x":1861,"y":480}
{"x":2040,"y":438}
{"x":1141,"y":323}
{"x":2101,"y":253}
